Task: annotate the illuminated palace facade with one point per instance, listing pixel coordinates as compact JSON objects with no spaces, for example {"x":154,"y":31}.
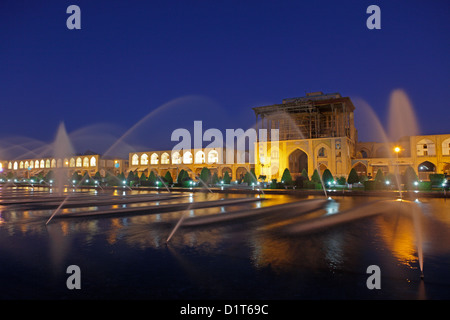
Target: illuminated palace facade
{"x":316,"y":131}
{"x":90,"y":163}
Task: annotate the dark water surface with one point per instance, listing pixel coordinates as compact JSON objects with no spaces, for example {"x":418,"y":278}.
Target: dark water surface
{"x":126,"y":257}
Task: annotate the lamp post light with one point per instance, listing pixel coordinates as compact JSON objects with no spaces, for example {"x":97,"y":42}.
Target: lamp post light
{"x":397,"y":150}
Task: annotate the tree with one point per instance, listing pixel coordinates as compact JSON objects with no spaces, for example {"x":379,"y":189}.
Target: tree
{"x":379,"y":177}
{"x":49,"y":176}
{"x":250,"y":177}
{"x":215,"y":178}
{"x":410,"y":177}
{"x":226,"y":178}
{"x":305,"y":174}
{"x":315,"y":177}
{"x":97,"y":176}
{"x":286,"y":178}
{"x":75,"y":177}
{"x":151,"y":178}
{"x":327,"y":177}
{"x":205,"y":175}
{"x":352,"y":177}
{"x":121,"y":177}
{"x":168,"y":177}
{"x":86,"y":178}
{"x":111,"y":180}
{"x":143,"y":177}
{"x":183,"y":176}
{"x":131,"y":177}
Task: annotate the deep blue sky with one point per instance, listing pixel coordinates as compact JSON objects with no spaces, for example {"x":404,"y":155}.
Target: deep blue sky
{"x":218,"y":58}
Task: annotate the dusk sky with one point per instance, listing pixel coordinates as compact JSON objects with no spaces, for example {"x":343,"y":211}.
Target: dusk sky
{"x":210,"y":61}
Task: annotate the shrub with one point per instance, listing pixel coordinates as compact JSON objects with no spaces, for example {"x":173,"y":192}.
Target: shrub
{"x":226,"y":178}
{"x":286,"y":178}
{"x":315,"y":177}
{"x":327,"y":177}
{"x":353,"y":177}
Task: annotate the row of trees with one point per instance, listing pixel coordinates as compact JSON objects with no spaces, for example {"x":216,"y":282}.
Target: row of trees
{"x":408,"y":180}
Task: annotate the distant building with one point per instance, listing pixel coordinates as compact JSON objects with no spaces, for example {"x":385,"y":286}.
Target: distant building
{"x":316,"y":131}
{"x":90,"y":163}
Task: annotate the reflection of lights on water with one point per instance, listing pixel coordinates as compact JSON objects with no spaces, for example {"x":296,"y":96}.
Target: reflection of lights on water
{"x":191,"y":213}
{"x":332,"y":207}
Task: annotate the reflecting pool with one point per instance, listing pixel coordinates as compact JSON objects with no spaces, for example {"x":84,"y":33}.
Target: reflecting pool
{"x":118,"y":238}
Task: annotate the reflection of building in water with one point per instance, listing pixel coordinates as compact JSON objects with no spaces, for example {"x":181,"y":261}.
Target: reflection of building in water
{"x":316,"y":131}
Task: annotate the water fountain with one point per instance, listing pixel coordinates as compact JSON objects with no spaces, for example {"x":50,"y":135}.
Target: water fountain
{"x":62,"y":148}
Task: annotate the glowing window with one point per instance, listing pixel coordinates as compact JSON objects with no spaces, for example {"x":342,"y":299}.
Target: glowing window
{"x":79,"y":162}
{"x":47,"y":163}
{"x":66,"y":162}
{"x":26,"y":165}
{"x":187,"y":157}
{"x":144,"y":159}
{"x":15,"y":165}
{"x":42,"y":164}
{"x":21,"y":165}
{"x":165,"y":158}
{"x":200,"y":157}
{"x":154,"y":159}
{"x":93,"y":162}
{"x":36,"y":164}
{"x":10,"y":165}
{"x":72,"y":162}
{"x":135,"y":160}
{"x":176,"y":158}
{"x":53,"y":163}
{"x":213,"y":156}
{"x":85,"y":162}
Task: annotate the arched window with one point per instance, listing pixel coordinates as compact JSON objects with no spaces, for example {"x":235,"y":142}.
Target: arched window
{"x":31,"y":164}
{"x":36,"y":164}
{"x":213,"y":156}
{"x":53,"y":163}
{"x":72,"y":162}
{"x":15,"y":165}
{"x":59,"y":163}
{"x":21,"y":165}
{"x":426,"y":147}
{"x":10,"y":165}
{"x":425,"y":169}
{"x":93,"y":161}
{"x":154,"y":158}
{"x":42,"y":164}
{"x":144,"y":159}
{"x":446,"y":147}
{"x":165,"y":158}
{"x":135,"y":160}
{"x":85,"y":162}
{"x":47,"y":163}
{"x":66,"y":162}
{"x":176,"y":158}
{"x":79,"y":162}
{"x":187,"y":157}
{"x":200,"y":157}
{"x":26,"y":165}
